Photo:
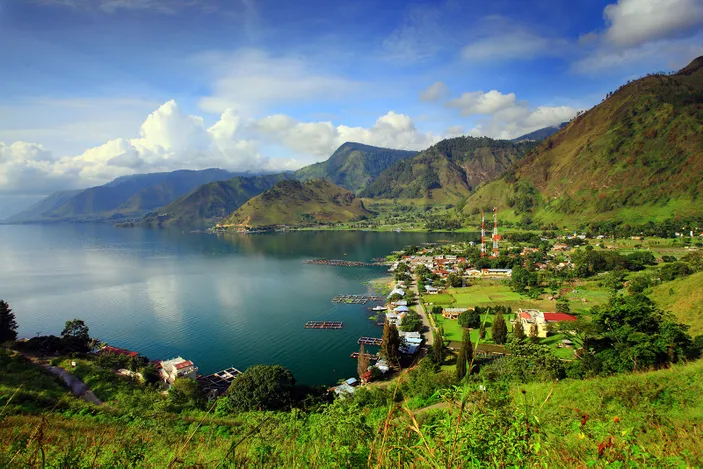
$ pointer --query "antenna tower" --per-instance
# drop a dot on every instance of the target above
(483, 234)
(495, 236)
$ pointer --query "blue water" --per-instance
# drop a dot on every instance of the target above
(221, 301)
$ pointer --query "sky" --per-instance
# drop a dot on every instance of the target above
(91, 90)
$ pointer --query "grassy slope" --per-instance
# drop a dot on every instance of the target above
(636, 156)
(683, 297)
(292, 203)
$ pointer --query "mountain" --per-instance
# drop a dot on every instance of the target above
(208, 203)
(127, 196)
(37, 211)
(447, 171)
(295, 203)
(354, 165)
(540, 134)
(636, 156)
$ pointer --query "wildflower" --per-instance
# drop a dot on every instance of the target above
(616, 419)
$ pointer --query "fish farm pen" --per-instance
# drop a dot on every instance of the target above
(368, 355)
(323, 325)
(369, 341)
(355, 299)
(341, 263)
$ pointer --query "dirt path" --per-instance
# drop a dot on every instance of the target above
(78, 387)
(426, 326)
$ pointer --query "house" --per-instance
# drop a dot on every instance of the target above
(530, 317)
(431, 290)
(395, 318)
(401, 309)
(397, 291)
(411, 342)
(452, 313)
(177, 368)
(347, 388)
(560, 247)
(497, 272)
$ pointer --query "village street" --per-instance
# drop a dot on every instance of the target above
(427, 327)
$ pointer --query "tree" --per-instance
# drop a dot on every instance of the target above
(454, 280)
(563, 305)
(436, 310)
(75, 335)
(518, 330)
(466, 353)
(390, 343)
(185, 393)
(362, 364)
(499, 331)
(482, 331)
(470, 319)
(411, 322)
(438, 347)
(260, 387)
(8, 325)
(534, 333)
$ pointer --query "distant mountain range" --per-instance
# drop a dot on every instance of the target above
(540, 134)
(637, 156)
(294, 203)
(127, 196)
(447, 171)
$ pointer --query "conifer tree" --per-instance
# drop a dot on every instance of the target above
(390, 343)
(438, 347)
(499, 331)
(465, 355)
(362, 364)
(518, 330)
(8, 325)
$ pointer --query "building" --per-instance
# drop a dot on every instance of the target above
(397, 291)
(452, 313)
(411, 342)
(118, 351)
(431, 290)
(530, 317)
(177, 368)
(497, 272)
(560, 247)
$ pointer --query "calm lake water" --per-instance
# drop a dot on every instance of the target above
(221, 301)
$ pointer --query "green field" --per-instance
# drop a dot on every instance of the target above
(587, 295)
(486, 293)
(684, 298)
(453, 331)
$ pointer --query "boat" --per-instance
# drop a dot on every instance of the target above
(378, 308)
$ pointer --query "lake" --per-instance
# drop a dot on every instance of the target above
(219, 300)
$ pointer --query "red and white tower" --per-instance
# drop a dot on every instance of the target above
(496, 237)
(483, 234)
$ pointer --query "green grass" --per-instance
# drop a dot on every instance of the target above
(454, 332)
(684, 298)
(491, 293)
(590, 291)
(440, 299)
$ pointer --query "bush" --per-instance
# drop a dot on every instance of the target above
(263, 387)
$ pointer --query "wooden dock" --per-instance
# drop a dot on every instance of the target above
(356, 299)
(341, 263)
(369, 341)
(219, 381)
(368, 355)
(323, 325)
(381, 324)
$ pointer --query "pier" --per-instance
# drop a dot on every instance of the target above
(341, 263)
(368, 355)
(323, 325)
(369, 341)
(355, 299)
(219, 381)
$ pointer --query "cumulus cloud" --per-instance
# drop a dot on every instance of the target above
(391, 130)
(503, 116)
(170, 139)
(635, 22)
(434, 92)
(250, 79)
(478, 102)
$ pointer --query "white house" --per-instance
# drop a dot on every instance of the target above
(177, 368)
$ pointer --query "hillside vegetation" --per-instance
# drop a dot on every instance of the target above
(683, 297)
(448, 170)
(297, 203)
(641, 147)
(353, 165)
(211, 202)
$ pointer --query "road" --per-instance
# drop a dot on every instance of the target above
(427, 327)
(78, 387)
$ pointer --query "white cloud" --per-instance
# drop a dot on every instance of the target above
(503, 116)
(250, 79)
(111, 6)
(434, 92)
(419, 37)
(513, 44)
(320, 139)
(635, 22)
(478, 102)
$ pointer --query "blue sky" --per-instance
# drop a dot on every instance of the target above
(95, 89)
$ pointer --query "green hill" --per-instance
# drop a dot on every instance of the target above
(636, 156)
(448, 170)
(296, 203)
(354, 165)
(37, 211)
(684, 297)
(210, 202)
